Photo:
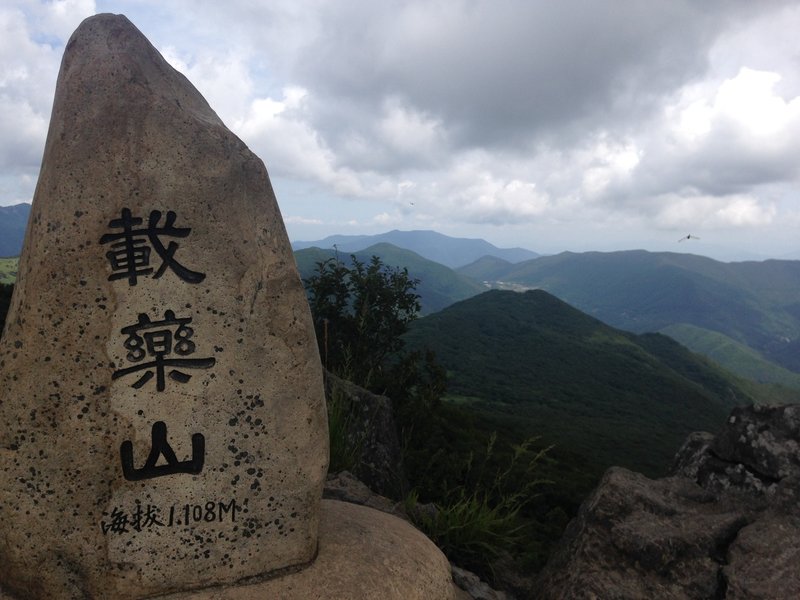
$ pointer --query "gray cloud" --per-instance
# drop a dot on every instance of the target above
(498, 73)
(525, 115)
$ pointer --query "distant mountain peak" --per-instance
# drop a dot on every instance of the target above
(450, 251)
(13, 221)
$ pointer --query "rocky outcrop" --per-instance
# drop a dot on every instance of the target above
(344, 486)
(473, 587)
(372, 431)
(724, 524)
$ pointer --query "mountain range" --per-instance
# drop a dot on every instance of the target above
(576, 354)
(449, 251)
(13, 220)
(756, 304)
(744, 315)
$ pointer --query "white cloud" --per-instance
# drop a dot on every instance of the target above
(738, 137)
(62, 17)
(410, 133)
(295, 220)
(745, 108)
(30, 35)
(224, 80)
(695, 211)
(746, 212)
(384, 219)
(606, 162)
(475, 191)
(278, 132)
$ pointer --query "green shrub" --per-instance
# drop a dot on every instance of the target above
(360, 313)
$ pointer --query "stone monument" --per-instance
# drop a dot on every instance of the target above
(162, 417)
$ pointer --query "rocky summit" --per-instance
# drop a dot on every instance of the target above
(724, 524)
(162, 418)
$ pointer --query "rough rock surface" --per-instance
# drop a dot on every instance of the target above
(474, 588)
(364, 554)
(346, 487)
(373, 431)
(162, 417)
(725, 524)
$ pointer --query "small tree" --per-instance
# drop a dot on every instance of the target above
(360, 313)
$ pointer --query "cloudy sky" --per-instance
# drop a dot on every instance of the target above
(552, 125)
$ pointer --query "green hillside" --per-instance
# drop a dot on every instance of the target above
(487, 268)
(732, 355)
(8, 269)
(753, 303)
(439, 286)
(308, 258)
(613, 397)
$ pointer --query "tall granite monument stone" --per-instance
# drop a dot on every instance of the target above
(162, 418)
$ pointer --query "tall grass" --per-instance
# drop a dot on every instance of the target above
(345, 445)
(480, 521)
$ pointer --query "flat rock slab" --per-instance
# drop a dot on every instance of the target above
(162, 415)
(364, 554)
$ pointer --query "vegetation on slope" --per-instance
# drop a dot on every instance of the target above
(609, 396)
(482, 473)
(734, 356)
(755, 303)
(538, 392)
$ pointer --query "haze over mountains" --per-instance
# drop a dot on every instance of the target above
(449, 251)
(752, 303)
(744, 315)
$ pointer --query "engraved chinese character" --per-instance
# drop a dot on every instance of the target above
(130, 253)
(159, 447)
(118, 524)
(143, 518)
(158, 340)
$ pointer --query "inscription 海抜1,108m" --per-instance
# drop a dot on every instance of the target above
(145, 516)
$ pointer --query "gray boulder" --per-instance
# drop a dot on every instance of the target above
(371, 430)
(724, 524)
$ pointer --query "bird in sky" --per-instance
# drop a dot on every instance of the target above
(689, 237)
